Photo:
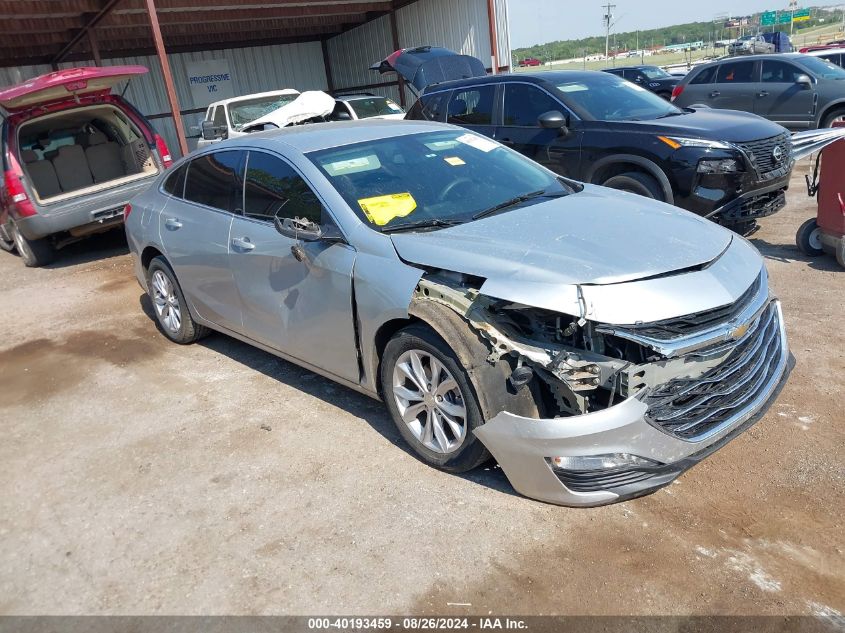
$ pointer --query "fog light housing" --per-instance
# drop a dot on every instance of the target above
(720, 166)
(599, 462)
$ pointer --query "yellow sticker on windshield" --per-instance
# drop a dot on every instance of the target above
(382, 209)
(454, 160)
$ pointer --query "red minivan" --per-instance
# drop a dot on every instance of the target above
(73, 155)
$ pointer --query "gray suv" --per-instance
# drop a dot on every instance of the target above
(797, 91)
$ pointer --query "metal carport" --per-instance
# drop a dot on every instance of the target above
(303, 44)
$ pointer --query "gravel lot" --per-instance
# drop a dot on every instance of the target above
(141, 477)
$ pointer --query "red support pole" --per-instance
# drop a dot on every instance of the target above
(494, 38)
(168, 78)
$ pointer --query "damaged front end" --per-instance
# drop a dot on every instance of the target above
(624, 408)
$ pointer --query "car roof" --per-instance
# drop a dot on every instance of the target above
(318, 136)
(361, 96)
(825, 51)
(538, 77)
(637, 67)
(751, 58)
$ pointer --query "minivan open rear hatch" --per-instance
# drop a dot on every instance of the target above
(65, 84)
(427, 65)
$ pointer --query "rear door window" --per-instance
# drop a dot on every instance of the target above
(525, 103)
(215, 180)
(274, 188)
(706, 76)
(775, 71)
(741, 72)
(472, 106)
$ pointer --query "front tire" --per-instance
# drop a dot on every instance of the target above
(832, 117)
(636, 182)
(429, 396)
(34, 253)
(808, 238)
(171, 309)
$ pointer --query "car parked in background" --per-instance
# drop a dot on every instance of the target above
(73, 154)
(832, 55)
(598, 128)
(797, 91)
(365, 106)
(822, 47)
(530, 61)
(651, 78)
(750, 45)
(227, 118)
(493, 306)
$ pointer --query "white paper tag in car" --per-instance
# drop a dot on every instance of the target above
(479, 143)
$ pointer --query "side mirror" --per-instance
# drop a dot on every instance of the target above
(343, 116)
(805, 81)
(209, 130)
(553, 120)
(298, 229)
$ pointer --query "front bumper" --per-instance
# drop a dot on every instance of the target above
(523, 446)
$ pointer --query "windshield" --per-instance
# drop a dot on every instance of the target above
(822, 69)
(653, 72)
(248, 110)
(373, 106)
(434, 177)
(608, 98)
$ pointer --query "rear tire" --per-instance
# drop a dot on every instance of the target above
(34, 253)
(7, 242)
(636, 182)
(840, 252)
(171, 310)
(808, 238)
(418, 368)
(836, 115)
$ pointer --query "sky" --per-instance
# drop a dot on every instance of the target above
(540, 21)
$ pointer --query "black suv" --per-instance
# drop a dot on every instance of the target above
(651, 78)
(594, 127)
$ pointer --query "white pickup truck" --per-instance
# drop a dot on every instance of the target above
(227, 118)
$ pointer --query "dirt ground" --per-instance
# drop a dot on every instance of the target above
(141, 477)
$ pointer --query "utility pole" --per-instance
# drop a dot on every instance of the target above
(608, 20)
(793, 4)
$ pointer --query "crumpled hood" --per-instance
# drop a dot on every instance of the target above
(310, 104)
(592, 237)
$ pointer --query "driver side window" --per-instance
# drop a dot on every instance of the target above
(524, 104)
(273, 188)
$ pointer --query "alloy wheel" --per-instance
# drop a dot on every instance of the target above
(165, 301)
(430, 401)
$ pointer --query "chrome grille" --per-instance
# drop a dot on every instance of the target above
(678, 327)
(692, 408)
(761, 155)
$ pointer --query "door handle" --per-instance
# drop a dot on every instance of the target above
(715, 93)
(242, 244)
(173, 224)
(763, 93)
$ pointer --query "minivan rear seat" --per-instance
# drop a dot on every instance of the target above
(72, 168)
(41, 173)
(104, 159)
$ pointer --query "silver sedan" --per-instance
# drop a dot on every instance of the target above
(595, 343)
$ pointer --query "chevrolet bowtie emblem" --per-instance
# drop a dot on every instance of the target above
(740, 331)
